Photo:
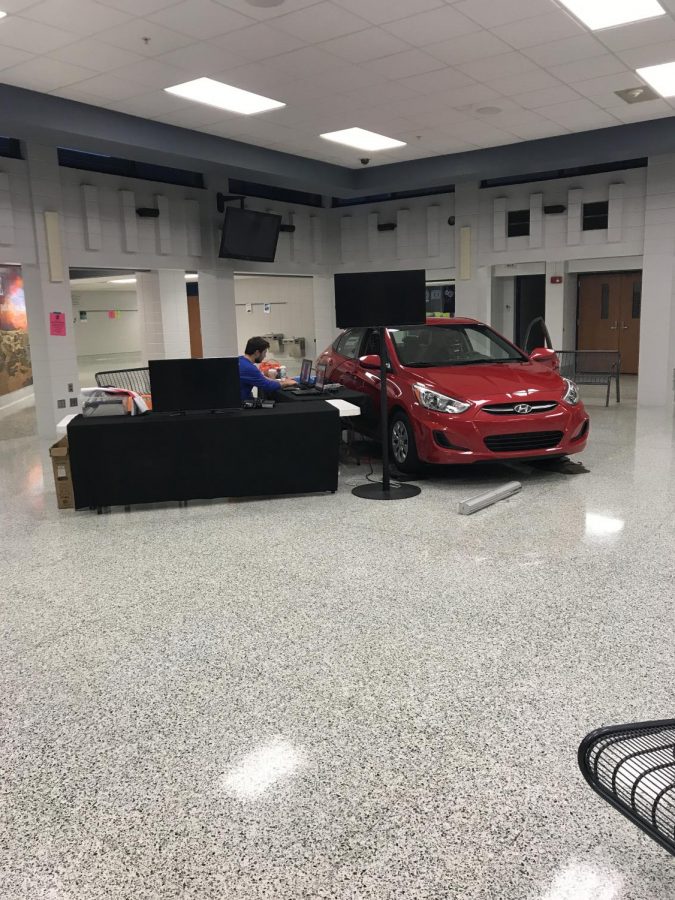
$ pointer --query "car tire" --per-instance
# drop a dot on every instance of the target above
(402, 445)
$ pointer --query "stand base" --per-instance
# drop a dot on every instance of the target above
(375, 491)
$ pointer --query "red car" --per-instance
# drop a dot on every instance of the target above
(458, 392)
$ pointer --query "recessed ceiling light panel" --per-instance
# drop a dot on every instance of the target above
(597, 14)
(661, 78)
(2, 14)
(362, 139)
(122, 281)
(223, 96)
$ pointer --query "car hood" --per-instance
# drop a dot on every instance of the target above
(524, 381)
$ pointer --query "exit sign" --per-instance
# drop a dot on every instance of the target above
(556, 279)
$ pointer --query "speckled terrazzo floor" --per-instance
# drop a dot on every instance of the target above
(322, 697)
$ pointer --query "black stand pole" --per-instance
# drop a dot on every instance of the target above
(384, 491)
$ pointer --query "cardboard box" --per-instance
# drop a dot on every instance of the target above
(63, 479)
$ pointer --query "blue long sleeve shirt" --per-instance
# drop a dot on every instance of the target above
(250, 376)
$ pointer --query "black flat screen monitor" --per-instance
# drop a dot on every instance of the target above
(364, 299)
(179, 385)
(248, 234)
(306, 371)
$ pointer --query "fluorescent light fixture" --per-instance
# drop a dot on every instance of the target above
(362, 139)
(261, 768)
(191, 276)
(2, 14)
(223, 96)
(122, 281)
(661, 78)
(597, 14)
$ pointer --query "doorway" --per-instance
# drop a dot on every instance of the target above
(530, 302)
(608, 317)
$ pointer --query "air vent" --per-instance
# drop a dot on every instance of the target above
(637, 94)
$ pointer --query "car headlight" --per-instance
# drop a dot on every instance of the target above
(438, 402)
(571, 395)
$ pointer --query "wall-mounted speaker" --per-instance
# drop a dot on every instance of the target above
(451, 221)
(147, 212)
(387, 226)
(555, 210)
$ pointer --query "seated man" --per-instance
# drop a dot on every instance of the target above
(250, 375)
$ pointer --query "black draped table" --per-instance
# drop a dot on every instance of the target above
(121, 460)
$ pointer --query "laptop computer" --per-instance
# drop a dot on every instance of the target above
(305, 375)
(317, 387)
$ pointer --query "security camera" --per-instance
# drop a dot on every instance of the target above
(364, 160)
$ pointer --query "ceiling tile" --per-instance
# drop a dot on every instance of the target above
(478, 45)
(652, 31)
(602, 90)
(429, 27)
(524, 81)
(641, 112)
(650, 55)
(44, 74)
(92, 54)
(465, 98)
(552, 26)
(10, 56)
(16, 6)
(498, 66)
(565, 51)
(202, 58)
(133, 35)
(306, 61)
(362, 46)
(546, 97)
(111, 87)
(320, 22)
(258, 77)
(266, 12)
(578, 115)
(491, 14)
(138, 7)
(200, 18)
(153, 105)
(402, 65)
(34, 37)
(593, 67)
(380, 11)
(81, 16)
(152, 73)
(439, 80)
(485, 135)
(258, 41)
(74, 92)
(194, 116)
(380, 94)
(537, 131)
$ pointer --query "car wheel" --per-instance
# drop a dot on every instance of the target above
(402, 443)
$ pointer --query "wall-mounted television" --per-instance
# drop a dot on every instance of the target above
(249, 235)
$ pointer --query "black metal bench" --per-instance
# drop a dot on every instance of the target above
(592, 367)
(129, 379)
(633, 768)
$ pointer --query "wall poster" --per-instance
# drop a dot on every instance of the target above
(15, 365)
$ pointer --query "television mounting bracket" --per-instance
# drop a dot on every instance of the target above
(222, 199)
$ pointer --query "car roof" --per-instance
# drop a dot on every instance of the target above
(445, 320)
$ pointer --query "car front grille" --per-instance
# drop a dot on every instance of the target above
(531, 440)
(508, 409)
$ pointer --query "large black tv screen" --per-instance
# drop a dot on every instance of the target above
(177, 385)
(365, 299)
(250, 235)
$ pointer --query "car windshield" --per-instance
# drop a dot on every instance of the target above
(451, 345)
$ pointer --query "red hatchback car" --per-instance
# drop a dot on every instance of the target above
(458, 392)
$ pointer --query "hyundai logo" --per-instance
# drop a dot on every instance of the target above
(523, 408)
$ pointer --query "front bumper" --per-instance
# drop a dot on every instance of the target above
(468, 438)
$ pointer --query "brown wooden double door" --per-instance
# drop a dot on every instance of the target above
(608, 316)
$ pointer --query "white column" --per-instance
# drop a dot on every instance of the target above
(217, 312)
(555, 303)
(324, 311)
(657, 326)
(162, 303)
(47, 289)
(473, 286)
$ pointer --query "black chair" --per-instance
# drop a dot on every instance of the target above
(592, 367)
(633, 768)
(128, 379)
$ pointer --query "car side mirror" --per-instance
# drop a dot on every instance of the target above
(546, 357)
(372, 361)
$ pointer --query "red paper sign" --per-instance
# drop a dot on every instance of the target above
(57, 324)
